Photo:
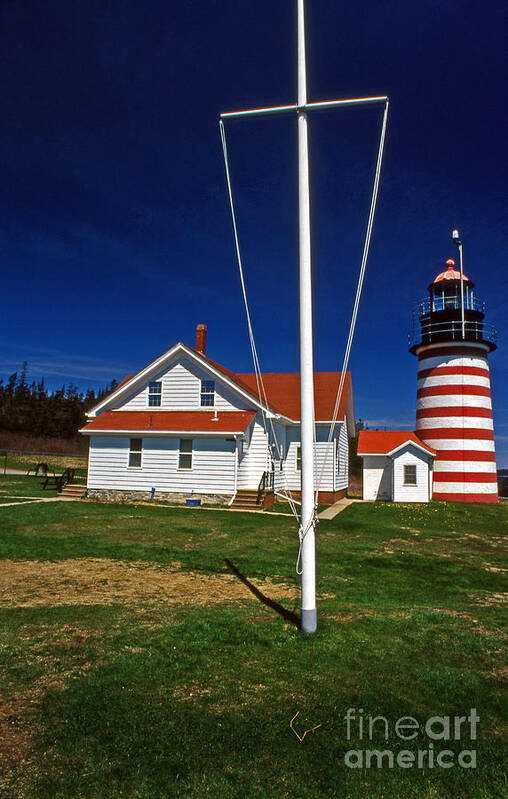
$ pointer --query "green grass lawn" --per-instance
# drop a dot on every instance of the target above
(13, 486)
(121, 691)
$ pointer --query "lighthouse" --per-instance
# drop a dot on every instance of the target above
(454, 407)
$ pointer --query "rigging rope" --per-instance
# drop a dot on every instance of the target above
(257, 369)
(359, 288)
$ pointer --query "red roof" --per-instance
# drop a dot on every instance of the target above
(283, 390)
(450, 274)
(283, 393)
(170, 422)
(383, 442)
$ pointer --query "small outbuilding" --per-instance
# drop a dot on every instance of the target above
(397, 466)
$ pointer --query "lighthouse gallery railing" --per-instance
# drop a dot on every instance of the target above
(428, 331)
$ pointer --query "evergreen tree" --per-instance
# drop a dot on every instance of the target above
(31, 409)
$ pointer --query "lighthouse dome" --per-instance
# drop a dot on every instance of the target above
(450, 273)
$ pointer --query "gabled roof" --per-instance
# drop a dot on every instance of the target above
(387, 442)
(282, 389)
(156, 366)
(170, 422)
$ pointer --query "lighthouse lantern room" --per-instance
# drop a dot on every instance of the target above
(454, 407)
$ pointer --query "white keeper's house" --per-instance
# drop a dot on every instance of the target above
(187, 429)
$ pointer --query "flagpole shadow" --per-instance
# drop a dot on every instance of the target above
(271, 603)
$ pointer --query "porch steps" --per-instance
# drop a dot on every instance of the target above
(73, 491)
(246, 500)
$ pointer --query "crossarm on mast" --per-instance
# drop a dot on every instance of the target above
(321, 105)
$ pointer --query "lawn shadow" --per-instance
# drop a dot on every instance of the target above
(271, 603)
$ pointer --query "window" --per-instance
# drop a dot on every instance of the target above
(207, 392)
(410, 474)
(281, 457)
(185, 456)
(298, 459)
(154, 393)
(135, 450)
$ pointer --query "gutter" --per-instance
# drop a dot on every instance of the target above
(149, 432)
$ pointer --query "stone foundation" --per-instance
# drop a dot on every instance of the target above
(175, 498)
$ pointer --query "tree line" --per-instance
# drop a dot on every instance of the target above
(30, 408)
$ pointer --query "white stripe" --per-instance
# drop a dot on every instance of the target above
(453, 380)
(479, 423)
(451, 400)
(457, 444)
(452, 360)
(464, 488)
(465, 466)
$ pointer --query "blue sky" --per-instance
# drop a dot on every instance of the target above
(115, 238)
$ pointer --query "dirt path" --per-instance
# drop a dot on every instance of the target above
(32, 501)
(91, 581)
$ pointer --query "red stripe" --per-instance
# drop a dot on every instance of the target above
(465, 497)
(454, 370)
(457, 351)
(465, 455)
(455, 432)
(435, 391)
(465, 477)
(459, 410)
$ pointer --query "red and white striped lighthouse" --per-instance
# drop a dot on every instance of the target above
(454, 406)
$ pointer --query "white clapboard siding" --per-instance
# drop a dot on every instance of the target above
(279, 449)
(342, 467)
(292, 475)
(411, 493)
(377, 477)
(213, 465)
(332, 479)
(325, 459)
(254, 459)
(181, 389)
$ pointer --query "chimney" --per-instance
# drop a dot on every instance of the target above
(201, 339)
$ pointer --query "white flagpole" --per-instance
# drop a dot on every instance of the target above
(308, 603)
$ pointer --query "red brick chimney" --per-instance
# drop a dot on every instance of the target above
(201, 339)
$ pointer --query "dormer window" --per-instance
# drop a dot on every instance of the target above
(154, 393)
(207, 393)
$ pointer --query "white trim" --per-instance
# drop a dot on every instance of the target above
(180, 347)
(158, 364)
(393, 451)
(163, 432)
(236, 457)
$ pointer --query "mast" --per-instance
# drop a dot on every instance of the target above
(308, 601)
(307, 522)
